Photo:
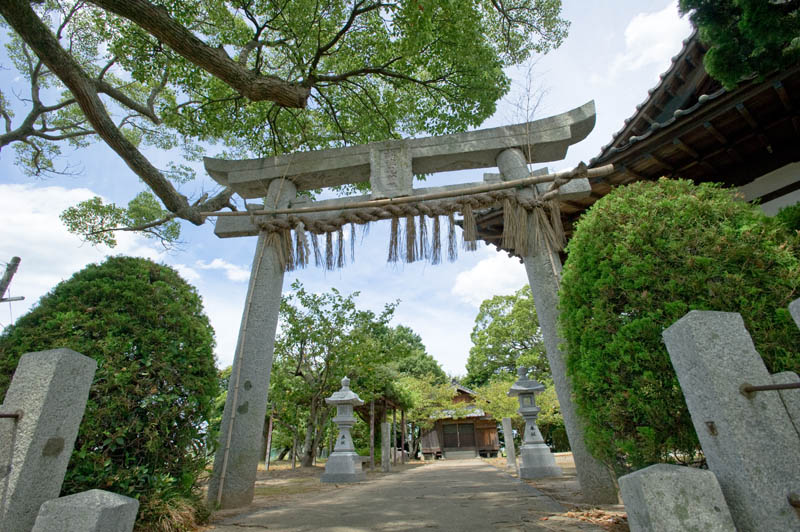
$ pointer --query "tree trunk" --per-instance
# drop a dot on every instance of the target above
(372, 435)
(294, 451)
(269, 444)
(307, 459)
(394, 436)
(283, 453)
(403, 434)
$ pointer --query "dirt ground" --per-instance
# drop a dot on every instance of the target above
(567, 491)
(282, 487)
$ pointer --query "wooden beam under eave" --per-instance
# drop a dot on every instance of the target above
(661, 162)
(748, 117)
(685, 148)
(632, 176)
(715, 132)
(783, 96)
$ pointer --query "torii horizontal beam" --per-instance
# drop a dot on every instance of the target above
(390, 165)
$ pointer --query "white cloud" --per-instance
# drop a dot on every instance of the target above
(187, 272)
(232, 271)
(650, 41)
(498, 274)
(31, 230)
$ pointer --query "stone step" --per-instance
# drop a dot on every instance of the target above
(459, 454)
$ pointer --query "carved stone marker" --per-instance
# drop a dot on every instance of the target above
(748, 440)
(508, 436)
(344, 464)
(50, 388)
(669, 498)
(536, 460)
(88, 511)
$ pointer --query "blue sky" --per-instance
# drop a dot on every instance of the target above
(613, 55)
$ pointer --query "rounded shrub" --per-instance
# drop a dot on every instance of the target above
(640, 259)
(142, 434)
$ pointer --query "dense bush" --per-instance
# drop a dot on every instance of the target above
(142, 434)
(640, 259)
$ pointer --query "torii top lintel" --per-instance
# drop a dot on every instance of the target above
(390, 165)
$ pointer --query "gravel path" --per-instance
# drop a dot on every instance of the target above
(456, 495)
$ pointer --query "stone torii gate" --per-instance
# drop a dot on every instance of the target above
(390, 166)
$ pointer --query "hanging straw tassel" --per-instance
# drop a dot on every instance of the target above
(436, 243)
(340, 248)
(559, 239)
(452, 250)
(329, 251)
(470, 228)
(510, 228)
(424, 248)
(540, 227)
(411, 239)
(301, 245)
(521, 237)
(286, 241)
(352, 242)
(317, 253)
(394, 241)
(274, 241)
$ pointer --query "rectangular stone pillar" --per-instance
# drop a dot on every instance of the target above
(748, 440)
(669, 498)
(88, 511)
(386, 446)
(233, 479)
(50, 389)
(508, 436)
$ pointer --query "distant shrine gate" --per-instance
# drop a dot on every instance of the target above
(293, 231)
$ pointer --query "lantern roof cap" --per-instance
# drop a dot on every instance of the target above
(524, 385)
(345, 396)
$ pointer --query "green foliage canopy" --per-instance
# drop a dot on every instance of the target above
(640, 259)
(143, 431)
(746, 37)
(506, 335)
(260, 77)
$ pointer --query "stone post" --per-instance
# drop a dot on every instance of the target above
(544, 275)
(508, 436)
(669, 498)
(536, 460)
(386, 445)
(88, 511)
(344, 464)
(748, 440)
(49, 390)
(239, 451)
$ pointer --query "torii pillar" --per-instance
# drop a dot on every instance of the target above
(544, 276)
(233, 479)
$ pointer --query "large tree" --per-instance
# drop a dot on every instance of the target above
(145, 426)
(746, 37)
(506, 335)
(261, 77)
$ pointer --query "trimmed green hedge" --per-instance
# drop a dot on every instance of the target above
(639, 260)
(142, 433)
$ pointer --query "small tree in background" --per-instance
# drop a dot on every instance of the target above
(640, 259)
(143, 431)
(506, 335)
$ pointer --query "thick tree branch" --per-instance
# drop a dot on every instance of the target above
(156, 21)
(21, 17)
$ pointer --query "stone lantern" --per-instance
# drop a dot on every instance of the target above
(536, 460)
(344, 465)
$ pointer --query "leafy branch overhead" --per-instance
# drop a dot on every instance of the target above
(260, 77)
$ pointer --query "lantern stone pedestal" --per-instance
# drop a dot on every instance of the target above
(536, 460)
(344, 464)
